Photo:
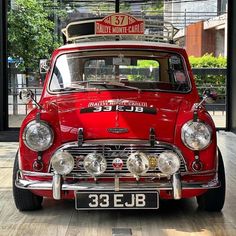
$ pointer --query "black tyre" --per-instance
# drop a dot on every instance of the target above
(213, 199)
(24, 199)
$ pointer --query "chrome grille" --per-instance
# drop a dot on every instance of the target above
(110, 152)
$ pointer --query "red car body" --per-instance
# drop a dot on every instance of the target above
(62, 112)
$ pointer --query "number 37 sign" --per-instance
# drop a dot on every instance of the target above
(118, 24)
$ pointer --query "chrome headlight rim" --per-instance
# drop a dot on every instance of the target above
(187, 125)
(45, 124)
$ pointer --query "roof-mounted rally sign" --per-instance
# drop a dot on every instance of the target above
(119, 24)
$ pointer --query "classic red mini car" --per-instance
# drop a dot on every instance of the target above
(119, 125)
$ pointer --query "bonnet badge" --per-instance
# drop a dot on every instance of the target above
(118, 130)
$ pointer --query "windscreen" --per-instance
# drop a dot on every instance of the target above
(119, 70)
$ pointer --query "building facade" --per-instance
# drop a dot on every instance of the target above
(183, 13)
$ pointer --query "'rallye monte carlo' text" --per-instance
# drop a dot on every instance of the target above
(119, 125)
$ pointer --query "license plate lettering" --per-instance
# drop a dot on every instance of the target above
(101, 200)
(140, 200)
(131, 203)
(93, 200)
(121, 200)
(118, 200)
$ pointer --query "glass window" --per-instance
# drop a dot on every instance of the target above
(119, 70)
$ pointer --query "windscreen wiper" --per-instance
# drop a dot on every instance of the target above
(117, 84)
(85, 85)
(68, 89)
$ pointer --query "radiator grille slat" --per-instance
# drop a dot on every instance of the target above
(111, 152)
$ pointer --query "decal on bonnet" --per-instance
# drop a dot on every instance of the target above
(112, 102)
(120, 108)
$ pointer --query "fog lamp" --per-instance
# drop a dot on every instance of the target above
(62, 162)
(95, 164)
(168, 163)
(138, 163)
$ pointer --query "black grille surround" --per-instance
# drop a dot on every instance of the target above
(111, 151)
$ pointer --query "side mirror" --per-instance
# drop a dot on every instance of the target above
(26, 95)
(209, 96)
(44, 66)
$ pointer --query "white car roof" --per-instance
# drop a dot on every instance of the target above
(120, 43)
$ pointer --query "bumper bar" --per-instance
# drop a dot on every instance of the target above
(56, 185)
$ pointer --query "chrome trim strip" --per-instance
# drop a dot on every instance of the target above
(35, 174)
(124, 175)
(117, 141)
(46, 185)
(139, 186)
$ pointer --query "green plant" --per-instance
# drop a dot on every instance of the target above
(216, 81)
(153, 7)
(208, 61)
(31, 33)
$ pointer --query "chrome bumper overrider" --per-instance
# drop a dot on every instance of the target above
(57, 185)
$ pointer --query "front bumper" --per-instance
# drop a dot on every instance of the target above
(175, 185)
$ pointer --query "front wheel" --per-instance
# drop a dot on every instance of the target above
(24, 199)
(213, 199)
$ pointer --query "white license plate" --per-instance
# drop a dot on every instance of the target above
(116, 200)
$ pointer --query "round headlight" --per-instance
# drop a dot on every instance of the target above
(196, 135)
(138, 163)
(95, 164)
(38, 136)
(168, 162)
(62, 162)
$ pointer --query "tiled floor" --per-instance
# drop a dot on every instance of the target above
(173, 218)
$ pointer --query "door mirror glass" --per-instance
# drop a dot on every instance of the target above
(44, 66)
(26, 95)
(210, 96)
